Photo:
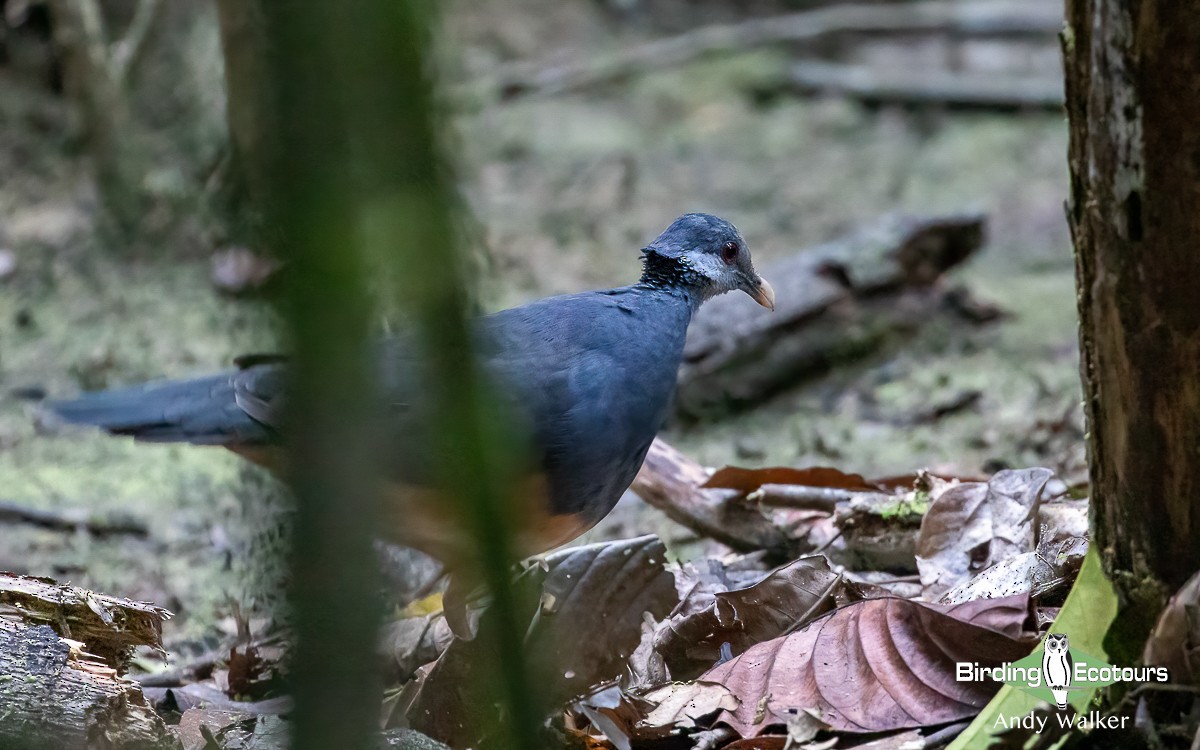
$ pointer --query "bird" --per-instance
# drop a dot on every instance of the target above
(1057, 667)
(588, 377)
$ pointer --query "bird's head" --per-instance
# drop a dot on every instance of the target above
(707, 255)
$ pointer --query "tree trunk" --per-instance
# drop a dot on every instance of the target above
(1133, 99)
(253, 131)
(93, 83)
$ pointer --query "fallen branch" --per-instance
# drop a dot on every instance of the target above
(928, 87)
(867, 528)
(932, 16)
(824, 499)
(11, 512)
(835, 301)
(874, 531)
(671, 482)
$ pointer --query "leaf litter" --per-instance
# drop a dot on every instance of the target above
(633, 652)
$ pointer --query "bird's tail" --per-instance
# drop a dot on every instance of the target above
(1060, 698)
(203, 411)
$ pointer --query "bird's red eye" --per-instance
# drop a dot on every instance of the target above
(729, 253)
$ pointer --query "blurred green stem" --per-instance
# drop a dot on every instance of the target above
(334, 573)
(359, 185)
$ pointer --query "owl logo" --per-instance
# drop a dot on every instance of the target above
(1057, 667)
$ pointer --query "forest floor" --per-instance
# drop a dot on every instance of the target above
(565, 190)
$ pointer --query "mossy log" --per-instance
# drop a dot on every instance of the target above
(834, 302)
(63, 650)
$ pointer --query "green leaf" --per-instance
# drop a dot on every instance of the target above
(1086, 615)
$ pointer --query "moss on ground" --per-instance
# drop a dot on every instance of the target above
(567, 189)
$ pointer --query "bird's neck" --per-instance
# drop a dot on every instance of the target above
(674, 276)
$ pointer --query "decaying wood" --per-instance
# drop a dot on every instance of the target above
(832, 302)
(62, 652)
(54, 694)
(109, 627)
(931, 16)
(926, 87)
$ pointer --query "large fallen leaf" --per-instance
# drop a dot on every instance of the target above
(875, 665)
(974, 525)
(1052, 567)
(585, 624)
(699, 581)
(784, 599)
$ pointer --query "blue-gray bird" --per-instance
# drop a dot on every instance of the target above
(587, 377)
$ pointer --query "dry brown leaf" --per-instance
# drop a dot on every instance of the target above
(806, 588)
(586, 621)
(875, 665)
(1175, 641)
(699, 581)
(683, 705)
(1052, 567)
(411, 642)
(247, 672)
(749, 480)
(194, 722)
(974, 525)
(613, 712)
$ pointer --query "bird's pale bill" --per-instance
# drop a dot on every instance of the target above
(764, 294)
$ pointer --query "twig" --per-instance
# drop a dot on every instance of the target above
(11, 512)
(931, 16)
(672, 483)
(125, 52)
(963, 90)
(816, 605)
(181, 674)
(802, 497)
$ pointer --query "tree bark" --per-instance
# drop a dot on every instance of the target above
(53, 695)
(1133, 100)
